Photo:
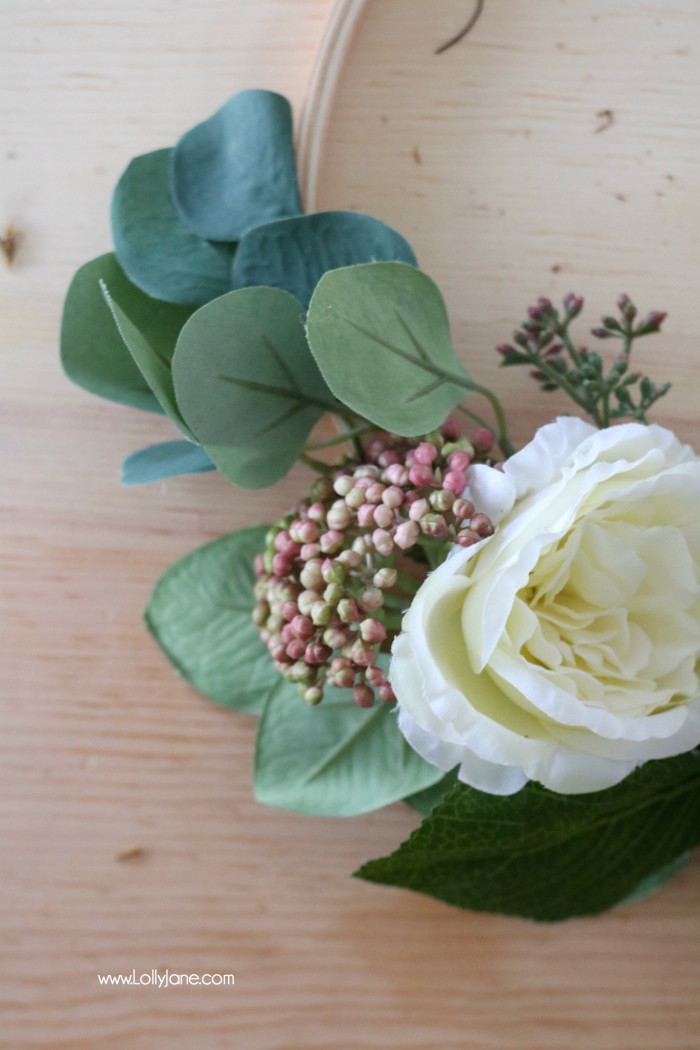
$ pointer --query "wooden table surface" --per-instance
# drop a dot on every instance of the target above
(488, 160)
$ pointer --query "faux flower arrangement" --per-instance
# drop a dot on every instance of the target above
(508, 640)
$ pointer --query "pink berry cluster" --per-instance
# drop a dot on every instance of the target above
(325, 571)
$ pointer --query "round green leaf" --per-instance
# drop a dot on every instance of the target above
(334, 760)
(200, 615)
(244, 375)
(381, 337)
(236, 170)
(250, 468)
(154, 246)
(170, 459)
(93, 352)
(294, 254)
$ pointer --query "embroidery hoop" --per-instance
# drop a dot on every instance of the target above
(335, 45)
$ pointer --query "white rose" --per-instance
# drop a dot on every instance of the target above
(564, 648)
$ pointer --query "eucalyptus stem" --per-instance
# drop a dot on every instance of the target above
(478, 419)
(318, 465)
(504, 442)
(339, 439)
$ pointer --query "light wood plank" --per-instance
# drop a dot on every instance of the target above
(103, 748)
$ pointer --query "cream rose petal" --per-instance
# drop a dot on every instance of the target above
(564, 648)
(491, 491)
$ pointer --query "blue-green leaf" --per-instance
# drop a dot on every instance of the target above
(154, 246)
(294, 254)
(380, 334)
(424, 802)
(244, 375)
(334, 760)
(658, 879)
(155, 367)
(252, 468)
(236, 170)
(167, 460)
(94, 354)
(200, 615)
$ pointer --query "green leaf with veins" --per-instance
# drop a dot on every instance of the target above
(250, 468)
(200, 613)
(546, 856)
(93, 352)
(334, 760)
(244, 375)
(381, 336)
(153, 363)
(294, 254)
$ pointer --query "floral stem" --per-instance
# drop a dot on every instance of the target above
(478, 419)
(563, 334)
(561, 381)
(318, 465)
(339, 439)
(502, 438)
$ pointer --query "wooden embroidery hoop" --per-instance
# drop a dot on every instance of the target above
(613, 215)
(335, 45)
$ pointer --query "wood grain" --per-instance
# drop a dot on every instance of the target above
(487, 159)
(104, 750)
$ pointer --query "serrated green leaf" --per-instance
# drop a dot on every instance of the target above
(545, 856)
(154, 246)
(170, 459)
(236, 170)
(334, 760)
(294, 254)
(381, 337)
(200, 615)
(93, 353)
(245, 378)
(155, 367)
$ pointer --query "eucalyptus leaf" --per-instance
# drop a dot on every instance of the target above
(380, 334)
(236, 170)
(154, 246)
(167, 460)
(250, 468)
(658, 880)
(334, 760)
(200, 615)
(155, 367)
(94, 354)
(546, 856)
(294, 254)
(244, 375)
(424, 802)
